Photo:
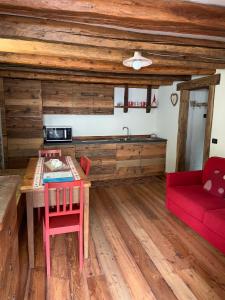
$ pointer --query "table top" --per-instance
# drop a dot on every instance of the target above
(8, 186)
(27, 183)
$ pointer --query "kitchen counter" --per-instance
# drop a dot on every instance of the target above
(118, 157)
(108, 140)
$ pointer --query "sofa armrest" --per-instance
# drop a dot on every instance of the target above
(184, 178)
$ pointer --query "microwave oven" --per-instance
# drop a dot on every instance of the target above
(57, 134)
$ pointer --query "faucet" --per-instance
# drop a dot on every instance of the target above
(128, 132)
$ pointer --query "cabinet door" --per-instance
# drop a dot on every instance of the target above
(128, 160)
(152, 159)
(77, 98)
(103, 159)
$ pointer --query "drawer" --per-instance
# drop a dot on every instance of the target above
(6, 235)
(10, 275)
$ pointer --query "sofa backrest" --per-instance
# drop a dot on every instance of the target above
(212, 164)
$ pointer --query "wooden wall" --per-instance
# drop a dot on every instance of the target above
(24, 101)
(23, 107)
(74, 98)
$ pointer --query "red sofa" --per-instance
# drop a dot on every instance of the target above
(197, 207)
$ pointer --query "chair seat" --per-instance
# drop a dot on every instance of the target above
(63, 221)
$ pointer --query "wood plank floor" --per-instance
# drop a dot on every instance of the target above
(138, 250)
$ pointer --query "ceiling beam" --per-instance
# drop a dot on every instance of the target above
(94, 66)
(199, 83)
(96, 74)
(103, 54)
(76, 33)
(89, 79)
(169, 16)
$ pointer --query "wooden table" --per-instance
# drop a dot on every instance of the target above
(35, 198)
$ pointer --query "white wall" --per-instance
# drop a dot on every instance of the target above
(167, 123)
(218, 126)
(138, 121)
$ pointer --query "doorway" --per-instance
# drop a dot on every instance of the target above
(197, 113)
(195, 122)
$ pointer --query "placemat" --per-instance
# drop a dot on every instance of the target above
(38, 176)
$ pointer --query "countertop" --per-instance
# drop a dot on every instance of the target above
(108, 140)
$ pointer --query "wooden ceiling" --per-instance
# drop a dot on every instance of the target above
(88, 40)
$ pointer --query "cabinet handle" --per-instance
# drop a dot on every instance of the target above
(10, 232)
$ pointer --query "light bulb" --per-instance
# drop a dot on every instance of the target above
(137, 65)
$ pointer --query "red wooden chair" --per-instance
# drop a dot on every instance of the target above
(85, 164)
(50, 153)
(65, 217)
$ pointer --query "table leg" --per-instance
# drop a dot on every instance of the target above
(30, 227)
(86, 221)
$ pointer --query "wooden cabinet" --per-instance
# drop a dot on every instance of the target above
(140, 159)
(74, 98)
(9, 256)
(103, 159)
(119, 160)
(23, 111)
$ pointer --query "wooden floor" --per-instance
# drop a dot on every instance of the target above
(137, 251)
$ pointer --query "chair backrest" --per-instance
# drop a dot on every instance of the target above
(212, 164)
(85, 164)
(61, 194)
(50, 153)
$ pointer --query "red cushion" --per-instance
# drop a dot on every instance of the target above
(215, 184)
(194, 200)
(212, 164)
(215, 220)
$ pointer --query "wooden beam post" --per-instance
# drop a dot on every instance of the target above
(126, 95)
(149, 97)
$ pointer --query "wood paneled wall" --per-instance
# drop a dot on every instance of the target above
(23, 107)
(24, 101)
(74, 98)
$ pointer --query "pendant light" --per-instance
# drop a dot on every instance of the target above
(137, 61)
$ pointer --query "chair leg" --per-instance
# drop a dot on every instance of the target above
(47, 251)
(81, 249)
(39, 214)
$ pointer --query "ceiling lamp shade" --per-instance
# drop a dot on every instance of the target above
(137, 61)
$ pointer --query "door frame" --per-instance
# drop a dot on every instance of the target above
(185, 87)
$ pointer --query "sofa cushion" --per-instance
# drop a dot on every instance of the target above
(212, 164)
(215, 220)
(215, 185)
(194, 200)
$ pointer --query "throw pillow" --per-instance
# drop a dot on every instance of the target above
(215, 185)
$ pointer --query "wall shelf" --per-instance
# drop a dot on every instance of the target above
(122, 106)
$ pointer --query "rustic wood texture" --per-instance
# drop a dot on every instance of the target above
(182, 130)
(57, 35)
(209, 120)
(76, 33)
(67, 63)
(86, 35)
(9, 72)
(74, 98)
(199, 83)
(173, 16)
(9, 262)
(23, 106)
(123, 160)
(138, 250)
